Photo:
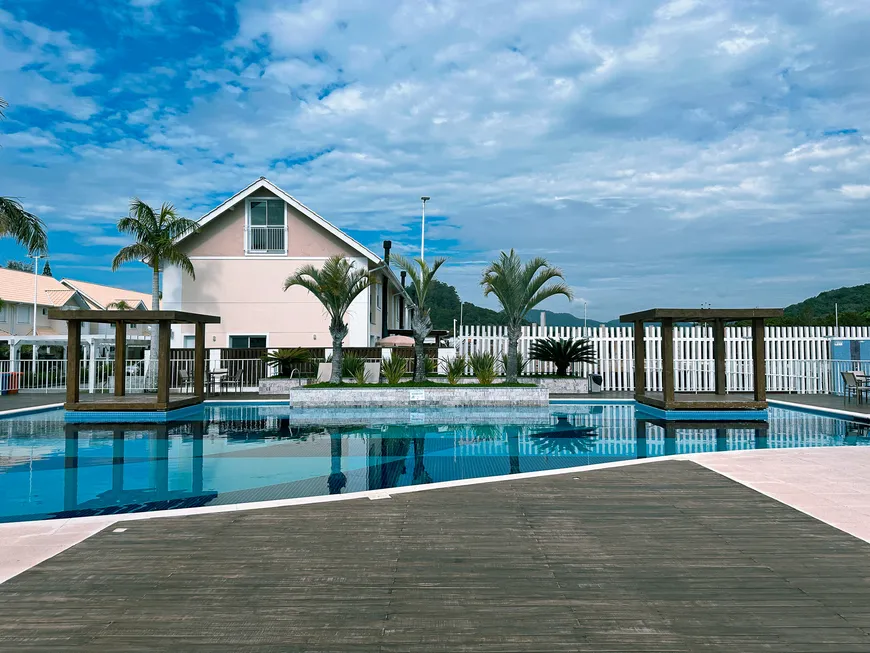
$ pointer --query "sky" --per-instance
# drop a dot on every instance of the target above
(661, 153)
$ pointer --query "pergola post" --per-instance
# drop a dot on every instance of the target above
(199, 361)
(668, 362)
(639, 360)
(719, 356)
(120, 359)
(759, 364)
(74, 346)
(163, 365)
(117, 460)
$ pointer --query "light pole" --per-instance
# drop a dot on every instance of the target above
(425, 199)
(584, 315)
(35, 258)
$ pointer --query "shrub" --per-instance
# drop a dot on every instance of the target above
(359, 375)
(284, 361)
(455, 369)
(483, 367)
(393, 369)
(563, 353)
(521, 363)
(350, 364)
(431, 366)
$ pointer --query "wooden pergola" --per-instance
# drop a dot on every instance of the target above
(720, 400)
(161, 401)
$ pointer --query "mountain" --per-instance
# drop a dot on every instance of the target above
(560, 319)
(852, 303)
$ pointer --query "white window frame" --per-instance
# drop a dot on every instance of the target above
(248, 200)
(28, 312)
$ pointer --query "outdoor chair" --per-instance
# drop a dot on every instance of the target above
(233, 381)
(184, 380)
(324, 371)
(372, 372)
(853, 386)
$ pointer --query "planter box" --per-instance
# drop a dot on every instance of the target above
(563, 386)
(387, 397)
(280, 386)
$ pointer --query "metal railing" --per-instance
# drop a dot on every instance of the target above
(266, 239)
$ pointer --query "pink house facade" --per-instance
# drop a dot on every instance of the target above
(245, 250)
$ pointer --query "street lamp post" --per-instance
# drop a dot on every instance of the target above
(425, 199)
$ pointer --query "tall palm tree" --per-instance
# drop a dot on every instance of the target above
(519, 288)
(156, 233)
(16, 223)
(421, 276)
(335, 285)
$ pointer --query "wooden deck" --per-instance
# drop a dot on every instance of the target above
(658, 557)
(132, 402)
(704, 401)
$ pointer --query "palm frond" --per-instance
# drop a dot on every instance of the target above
(24, 227)
(335, 285)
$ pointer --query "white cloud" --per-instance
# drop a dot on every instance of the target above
(856, 191)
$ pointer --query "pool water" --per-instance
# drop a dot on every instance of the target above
(249, 453)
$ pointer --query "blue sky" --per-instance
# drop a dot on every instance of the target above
(661, 153)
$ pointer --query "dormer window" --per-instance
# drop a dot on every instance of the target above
(266, 231)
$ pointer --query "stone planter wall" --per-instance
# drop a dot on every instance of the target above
(387, 397)
(281, 386)
(563, 386)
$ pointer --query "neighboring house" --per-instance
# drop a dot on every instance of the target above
(17, 295)
(245, 250)
(102, 298)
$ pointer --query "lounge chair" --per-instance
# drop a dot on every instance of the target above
(184, 380)
(372, 372)
(324, 372)
(233, 381)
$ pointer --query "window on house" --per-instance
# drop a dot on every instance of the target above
(23, 314)
(247, 342)
(3, 317)
(266, 226)
(189, 342)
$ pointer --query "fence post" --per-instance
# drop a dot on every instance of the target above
(92, 367)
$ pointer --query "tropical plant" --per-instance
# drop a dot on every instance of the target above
(351, 365)
(455, 368)
(359, 375)
(431, 366)
(120, 305)
(483, 366)
(335, 285)
(521, 363)
(519, 288)
(18, 224)
(563, 353)
(393, 368)
(156, 234)
(284, 361)
(422, 277)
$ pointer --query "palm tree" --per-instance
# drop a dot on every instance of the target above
(335, 285)
(422, 277)
(156, 234)
(15, 222)
(519, 288)
(120, 305)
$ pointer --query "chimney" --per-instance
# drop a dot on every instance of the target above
(388, 245)
(403, 275)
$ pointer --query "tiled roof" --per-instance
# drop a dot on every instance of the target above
(100, 296)
(17, 287)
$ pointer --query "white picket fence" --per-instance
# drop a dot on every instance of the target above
(798, 358)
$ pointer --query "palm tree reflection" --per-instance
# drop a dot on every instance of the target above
(337, 479)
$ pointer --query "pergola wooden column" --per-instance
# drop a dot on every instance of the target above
(667, 399)
(121, 401)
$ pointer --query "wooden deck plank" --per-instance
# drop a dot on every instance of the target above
(660, 557)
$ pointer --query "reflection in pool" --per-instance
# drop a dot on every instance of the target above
(245, 453)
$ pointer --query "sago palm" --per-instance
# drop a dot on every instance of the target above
(519, 288)
(335, 285)
(156, 234)
(421, 276)
(563, 353)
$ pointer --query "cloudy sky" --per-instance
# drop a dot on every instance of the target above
(661, 153)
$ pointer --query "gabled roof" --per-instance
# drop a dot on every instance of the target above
(17, 287)
(100, 297)
(261, 183)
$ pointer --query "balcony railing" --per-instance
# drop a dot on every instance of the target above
(267, 239)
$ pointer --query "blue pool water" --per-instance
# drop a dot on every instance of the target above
(246, 453)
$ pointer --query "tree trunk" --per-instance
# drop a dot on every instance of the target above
(338, 333)
(513, 347)
(155, 305)
(422, 325)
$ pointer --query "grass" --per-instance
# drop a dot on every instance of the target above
(424, 384)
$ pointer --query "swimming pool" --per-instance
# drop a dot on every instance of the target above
(246, 453)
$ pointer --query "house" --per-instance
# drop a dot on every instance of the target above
(103, 298)
(246, 248)
(18, 296)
